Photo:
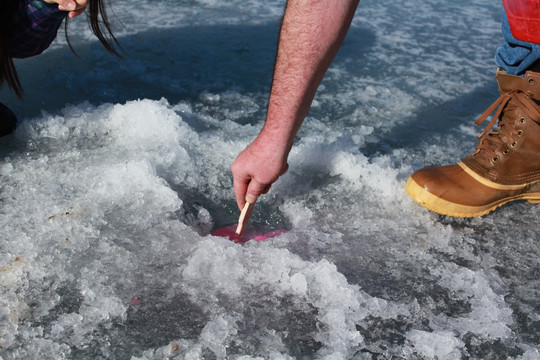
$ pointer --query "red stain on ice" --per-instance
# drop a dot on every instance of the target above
(230, 232)
(135, 301)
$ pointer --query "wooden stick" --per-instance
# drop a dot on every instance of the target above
(244, 217)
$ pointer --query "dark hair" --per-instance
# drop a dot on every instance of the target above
(98, 22)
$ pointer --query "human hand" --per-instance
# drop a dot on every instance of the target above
(75, 7)
(256, 169)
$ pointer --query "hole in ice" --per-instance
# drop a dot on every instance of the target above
(266, 222)
(257, 232)
(219, 217)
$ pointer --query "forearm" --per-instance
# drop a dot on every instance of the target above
(34, 27)
(311, 34)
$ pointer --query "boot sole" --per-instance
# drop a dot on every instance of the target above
(434, 203)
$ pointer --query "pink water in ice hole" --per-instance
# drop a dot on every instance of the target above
(249, 234)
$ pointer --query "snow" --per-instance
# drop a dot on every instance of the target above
(119, 171)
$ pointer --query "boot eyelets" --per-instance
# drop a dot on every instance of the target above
(520, 133)
(531, 81)
(495, 159)
(514, 144)
(506, 151)
(523, 120)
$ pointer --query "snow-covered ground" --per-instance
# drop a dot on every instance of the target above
(119, 170)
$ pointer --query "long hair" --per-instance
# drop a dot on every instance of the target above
(98, 21)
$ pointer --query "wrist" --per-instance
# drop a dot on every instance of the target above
(277, 140)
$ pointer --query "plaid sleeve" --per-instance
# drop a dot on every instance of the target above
(34, 27)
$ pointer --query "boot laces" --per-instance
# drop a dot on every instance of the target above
(507, 133)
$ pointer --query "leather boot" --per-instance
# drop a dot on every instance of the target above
(505, 165)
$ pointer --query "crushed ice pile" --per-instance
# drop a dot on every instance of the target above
(119, 171)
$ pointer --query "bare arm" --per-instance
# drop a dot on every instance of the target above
(311, 34)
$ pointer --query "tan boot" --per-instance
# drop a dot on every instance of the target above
(505, 165)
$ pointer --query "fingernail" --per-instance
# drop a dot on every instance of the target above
(71, 5)
(251, 198)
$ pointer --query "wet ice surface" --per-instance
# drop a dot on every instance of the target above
(119, 170)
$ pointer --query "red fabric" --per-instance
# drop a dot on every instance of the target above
(524, 19)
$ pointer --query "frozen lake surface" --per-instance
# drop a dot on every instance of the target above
(119, 171)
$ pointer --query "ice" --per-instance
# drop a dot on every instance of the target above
(530, 354)
(439, 345)
(120, 170)
(287, 278)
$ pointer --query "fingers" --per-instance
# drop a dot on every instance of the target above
(266, 188)
(240, 185)
(75, 7)
(254, 171)
(285, 169)
(255, 189)
(76, 13)
(66, 5)
(249, 190)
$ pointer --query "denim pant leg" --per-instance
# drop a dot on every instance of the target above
(515, 56)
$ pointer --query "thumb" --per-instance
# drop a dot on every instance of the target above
(255, 189)
(66, 5)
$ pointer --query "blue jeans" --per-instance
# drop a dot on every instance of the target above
(515, 56)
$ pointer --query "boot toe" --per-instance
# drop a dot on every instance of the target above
(449, 190)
